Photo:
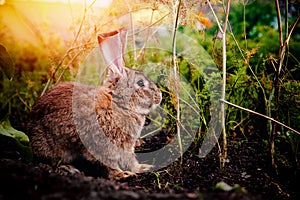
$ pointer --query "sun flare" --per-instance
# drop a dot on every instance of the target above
(100, 3)
(29, 19)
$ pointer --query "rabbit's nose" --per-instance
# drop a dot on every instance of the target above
(157, 97)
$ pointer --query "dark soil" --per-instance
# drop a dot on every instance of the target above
(247, 169)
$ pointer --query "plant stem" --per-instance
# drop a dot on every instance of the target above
(244, 24)
(279, 22)
(224, 156)
(276, 85)
(176, 7)
(223, 97)
(286, 27)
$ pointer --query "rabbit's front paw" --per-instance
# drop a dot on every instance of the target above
(120, 175)
(145, 168)
(67, 170)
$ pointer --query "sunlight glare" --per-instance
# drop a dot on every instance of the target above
(100, 3)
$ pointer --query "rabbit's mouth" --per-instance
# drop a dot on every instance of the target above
(155, 105)
(157, 99)
(144, 108)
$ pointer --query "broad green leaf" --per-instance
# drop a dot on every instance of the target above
(22, 140)
(7, 130)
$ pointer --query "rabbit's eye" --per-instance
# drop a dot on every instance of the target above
(140, 83)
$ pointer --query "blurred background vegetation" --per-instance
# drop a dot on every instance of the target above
(43, 43)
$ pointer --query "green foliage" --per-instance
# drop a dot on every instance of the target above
(7, 130)
(252, 51)
(255, 15)
(21, 80)
(21, 139)
(289, 103)
(290, 111)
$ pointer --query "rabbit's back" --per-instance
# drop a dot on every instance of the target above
(52, 129)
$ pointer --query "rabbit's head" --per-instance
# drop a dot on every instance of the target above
(136, 92)
(131, 89)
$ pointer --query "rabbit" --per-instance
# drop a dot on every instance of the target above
(101, 124)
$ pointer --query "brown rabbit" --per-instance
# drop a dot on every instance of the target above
(100, 124)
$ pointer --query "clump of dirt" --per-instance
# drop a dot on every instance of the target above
(247, 175)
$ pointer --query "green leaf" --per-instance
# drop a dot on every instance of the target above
(7, 130)
(22, 140)
(227, 188)
(223, 186)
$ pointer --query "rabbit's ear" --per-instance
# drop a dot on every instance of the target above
(112, 47)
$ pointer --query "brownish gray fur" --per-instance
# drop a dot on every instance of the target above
(101, 124)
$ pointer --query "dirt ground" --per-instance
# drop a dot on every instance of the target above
(247, 171)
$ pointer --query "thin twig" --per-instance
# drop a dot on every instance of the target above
(153, 24)
(292, 29)
(142, 51)
(259, 114)
(244, 23)
(226, 17)
(69, 63)
(279, 22)
(23, 101)
(132, 27)
(286, 27)
(215, 16)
